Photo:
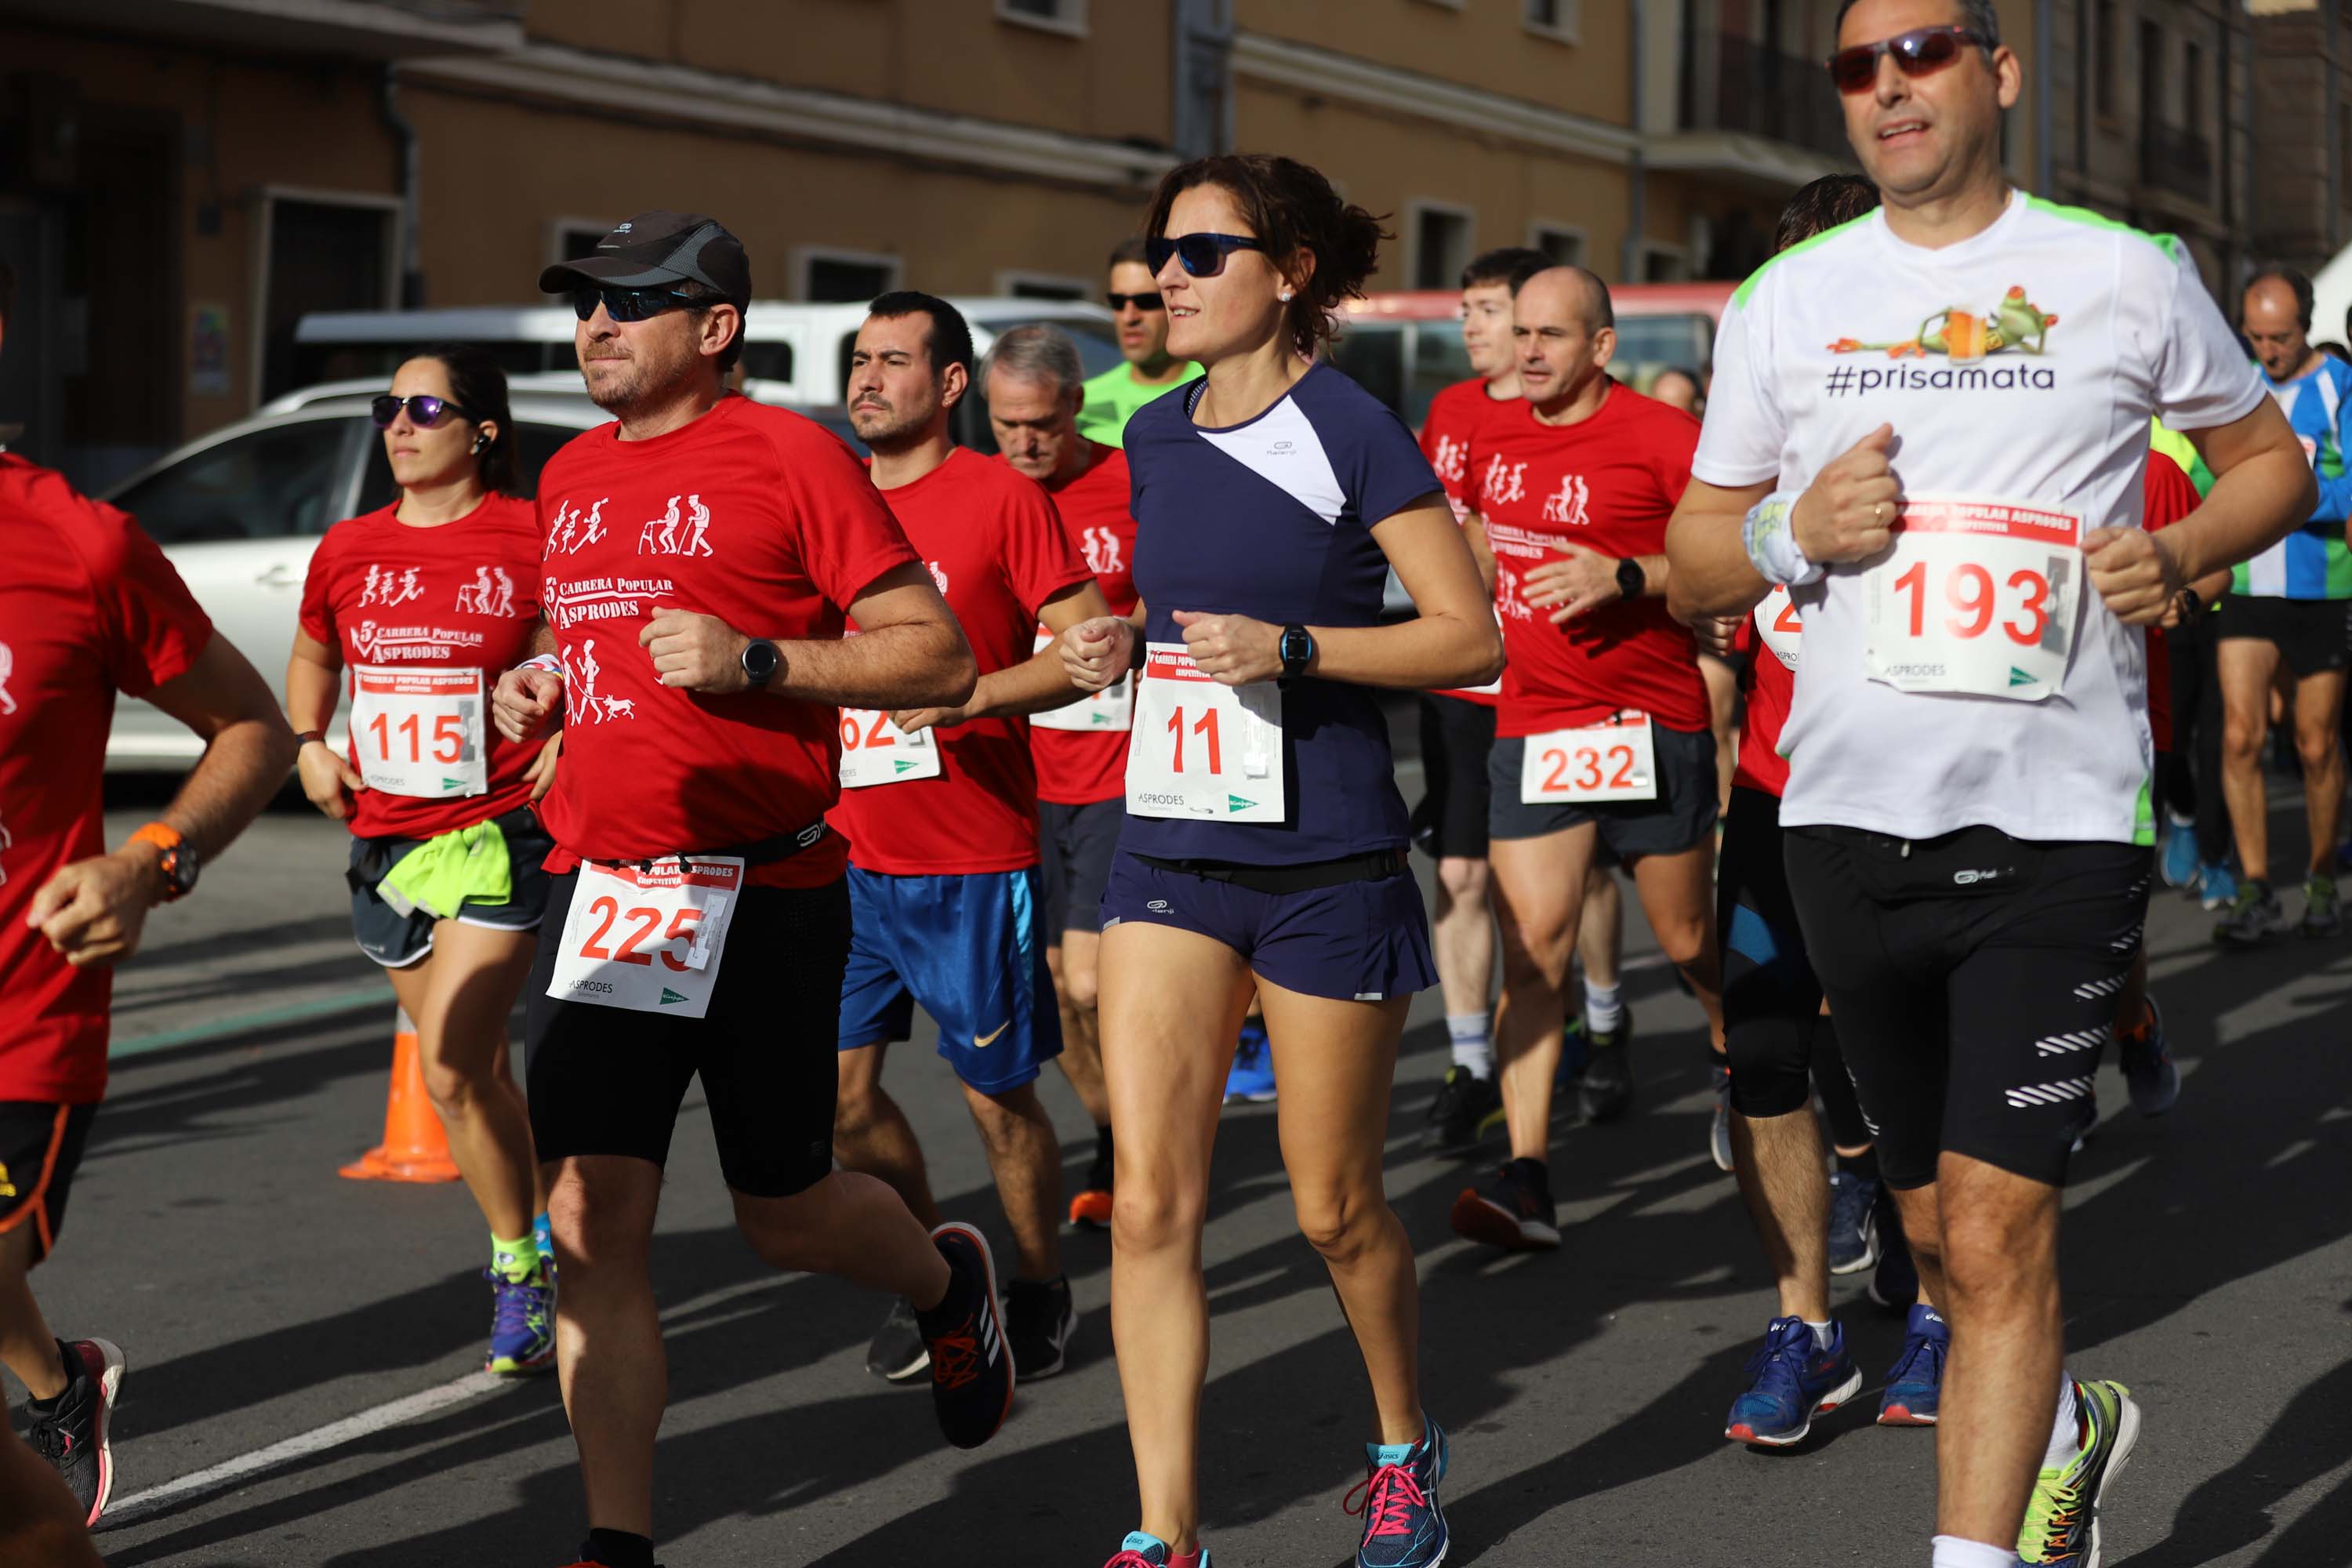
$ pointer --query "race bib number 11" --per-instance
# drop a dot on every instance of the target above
(648, 938)
(1976, 596)
(1204, 751)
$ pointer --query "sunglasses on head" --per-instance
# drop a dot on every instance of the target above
(627, 304)
(1922, 51)
(1151, 301)
(1204, 255)
(424, 410)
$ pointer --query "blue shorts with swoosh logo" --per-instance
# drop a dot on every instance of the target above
(970, 948)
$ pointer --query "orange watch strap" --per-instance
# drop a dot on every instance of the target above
(161, 834)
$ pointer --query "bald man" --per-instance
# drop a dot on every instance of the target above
(1602, 735)
(2287, 607)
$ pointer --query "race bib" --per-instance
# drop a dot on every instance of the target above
(648, 938)
(1111, 709)
(1976, 596)
(1614, 760)
(874, 751)
(1201, 749)
(1778, 627)
(418, 733)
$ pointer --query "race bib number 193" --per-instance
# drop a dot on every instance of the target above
(1975, 596)
(648, 938)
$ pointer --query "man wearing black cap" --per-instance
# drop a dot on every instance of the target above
(702, 553)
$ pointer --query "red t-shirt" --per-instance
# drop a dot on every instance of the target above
(997, 549)
(1078, 767)
(1456, 415)
(463, 595)
(754, 515)
(1771, 633)
(1610, 484)
(89, 606)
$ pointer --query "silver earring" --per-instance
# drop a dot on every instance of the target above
(1284, 296)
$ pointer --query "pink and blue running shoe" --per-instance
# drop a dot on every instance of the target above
(1404, 1526)
(1795, 1378)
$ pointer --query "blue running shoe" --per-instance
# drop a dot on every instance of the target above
(1915, 1387)
(2217, 885)
(1854, 1223)
(1251, 1080)
(1143, 1550)
(522, 1325)
(1795, 1379)
(2180, 864)
(1404, 1526)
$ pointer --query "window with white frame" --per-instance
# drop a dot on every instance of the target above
(1558, 19)
(1563, 244)
(1440, 244)
(1054, 16)
(822, 275)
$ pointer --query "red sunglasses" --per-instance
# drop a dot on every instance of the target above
(1922, 51)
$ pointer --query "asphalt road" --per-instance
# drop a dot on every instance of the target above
(323, 1333)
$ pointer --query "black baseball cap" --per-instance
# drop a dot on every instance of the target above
(656, 247)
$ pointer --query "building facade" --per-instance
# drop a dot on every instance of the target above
(2303, 128)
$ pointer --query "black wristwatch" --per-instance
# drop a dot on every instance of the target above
(762, 659)
(1631, 579)
(1297, 649)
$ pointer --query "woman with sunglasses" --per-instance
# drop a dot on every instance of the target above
(412, 611)
(1264, 842)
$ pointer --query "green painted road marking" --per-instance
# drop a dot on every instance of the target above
(241, 1023)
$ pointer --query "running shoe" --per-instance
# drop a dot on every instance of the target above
(1465, 1109)
(1914, 1385)
(898, 1353)
(2149, 1072)
(1895, 1285)
(2321, 915)
(1397, 1498)
(2061, 1517)
(1511, 1209)
(2253, 919)
(1144, 1550)
(1854, 1223)
(2178, 865)
(1039, 1319)
(73, 1436)
(1251, 1081)
(2217, 885)
(522, 1325)
(971, 1374)
(1605, 1092)
(1793, 1377)
(1719, 1136)
(1091, 1205)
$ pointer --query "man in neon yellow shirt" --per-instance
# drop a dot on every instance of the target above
(1113, 397)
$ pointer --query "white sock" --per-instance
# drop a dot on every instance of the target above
(1604, 1011)
(2065, 1433)
(1951, 1552)
(1472, 1049)
(1821, 1333)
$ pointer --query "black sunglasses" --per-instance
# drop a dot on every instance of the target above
(1151, 301)
(424, 410)
(1922, 51)
(1204, 255)
(627, 304)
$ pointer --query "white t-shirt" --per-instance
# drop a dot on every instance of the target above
(1815, 353)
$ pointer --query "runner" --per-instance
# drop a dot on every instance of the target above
(1032, 380)
(1602, 735)
(89, 606)
(1266, 841)
(939, 805)
(424, 603)
(2286, 611)
(709, 547)
(1969, 858)
(1149, 370)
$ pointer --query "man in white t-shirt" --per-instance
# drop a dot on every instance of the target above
(1931, 423)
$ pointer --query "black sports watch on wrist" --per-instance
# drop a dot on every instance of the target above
(1632, 581)
(1298, 651)
(760, 660)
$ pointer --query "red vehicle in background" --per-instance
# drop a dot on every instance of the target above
(1404, 346)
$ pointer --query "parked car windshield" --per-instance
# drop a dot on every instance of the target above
(265, 484)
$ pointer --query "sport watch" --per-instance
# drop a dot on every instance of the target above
(760, 660)
(179, 862)
(1632, 581)
(1297, 651)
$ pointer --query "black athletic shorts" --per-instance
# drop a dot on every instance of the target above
(1074, 847)
(396, 940)
(40, 1148)
(1771, 1000)
(1973, 977)
(1457, 735)
(609, 1080)
(1680, 817)
(2313, 636)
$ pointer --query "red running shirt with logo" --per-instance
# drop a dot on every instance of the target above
(89, 606)
(754, 515)
(463, 595)
(1074, 767)
(1451, 429)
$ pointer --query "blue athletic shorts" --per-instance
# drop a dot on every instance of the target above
(1357, 942)
(969, 948)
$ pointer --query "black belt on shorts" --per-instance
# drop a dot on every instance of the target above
(377, 859)
(1376, 866)
(761, 852)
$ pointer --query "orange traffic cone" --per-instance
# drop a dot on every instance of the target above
(414, 1147)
